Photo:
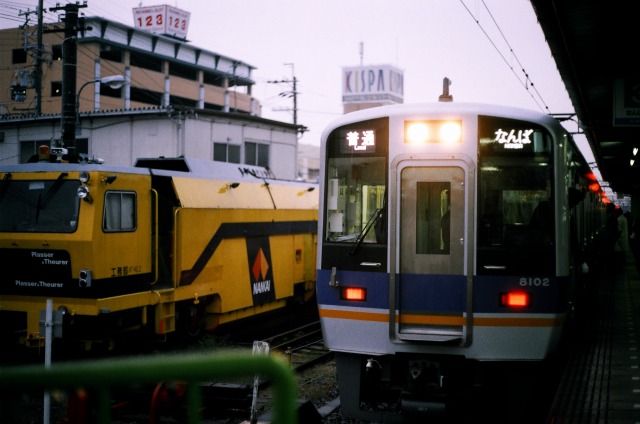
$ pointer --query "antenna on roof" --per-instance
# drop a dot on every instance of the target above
(445, 96)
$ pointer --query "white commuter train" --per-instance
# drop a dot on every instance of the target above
(450, 242)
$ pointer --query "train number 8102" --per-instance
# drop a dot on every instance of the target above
(534, 282)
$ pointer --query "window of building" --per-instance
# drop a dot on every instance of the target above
(56, 52)
(146, 96)
(29, 148)
(211, 106)
(183, 71)
(56, 88)
(119, 211)
(223, 152)
(105, 90)
(19, 56)
(145, 61)
(210, 78)
(82, 147)
(256, 154)
(183, 101)
(111, 53)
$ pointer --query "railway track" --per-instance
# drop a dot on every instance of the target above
(225, 402)
(302, 346)
(231, 402)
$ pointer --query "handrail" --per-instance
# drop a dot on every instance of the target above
(188, 368)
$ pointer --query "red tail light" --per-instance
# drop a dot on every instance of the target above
(356, 294)
(516, 299)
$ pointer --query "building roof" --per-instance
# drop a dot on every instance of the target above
(169, 48)
(593, 44)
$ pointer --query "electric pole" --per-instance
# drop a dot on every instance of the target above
(294, 93)
(37, 74)
(69, 70)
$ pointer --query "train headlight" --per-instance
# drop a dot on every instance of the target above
(84, 278)
(83, 193)
(84, 177)
(417, 133)
(450, 132)
(421, 132)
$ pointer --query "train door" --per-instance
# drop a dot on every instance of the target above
(432, 287)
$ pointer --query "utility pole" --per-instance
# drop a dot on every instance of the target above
(294, 93)
(19, 87)
(37, 74)
(69, 70)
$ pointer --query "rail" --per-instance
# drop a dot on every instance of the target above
(104, 375)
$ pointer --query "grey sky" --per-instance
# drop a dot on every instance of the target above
(492, 50)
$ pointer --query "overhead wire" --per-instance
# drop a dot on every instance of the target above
(528, 81)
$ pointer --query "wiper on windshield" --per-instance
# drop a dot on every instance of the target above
(44, 200)
(377, 214)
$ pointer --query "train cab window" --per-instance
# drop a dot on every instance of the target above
(515, 194)
(356, 183)
(119, 211)
(515, 190)
(42, 206)
(355, 199)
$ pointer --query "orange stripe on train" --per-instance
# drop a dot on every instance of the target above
(444, 320)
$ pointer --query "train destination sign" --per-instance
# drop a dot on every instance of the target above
(358, 141)
(512, 139)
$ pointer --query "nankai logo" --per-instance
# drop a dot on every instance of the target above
(260, 270)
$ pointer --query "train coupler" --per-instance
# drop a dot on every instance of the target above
(425, 375)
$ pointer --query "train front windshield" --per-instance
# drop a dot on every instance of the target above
(515, 198)
(43, 206)
(356, 183)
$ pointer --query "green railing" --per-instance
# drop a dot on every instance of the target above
(193, 369)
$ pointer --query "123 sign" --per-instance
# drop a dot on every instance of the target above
(163, 19)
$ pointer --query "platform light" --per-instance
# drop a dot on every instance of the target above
(591, 176)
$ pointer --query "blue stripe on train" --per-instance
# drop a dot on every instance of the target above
(446, 293)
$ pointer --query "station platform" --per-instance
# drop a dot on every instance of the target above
(601, 382)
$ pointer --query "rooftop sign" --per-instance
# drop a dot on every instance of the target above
(164, 20)
(372, 84)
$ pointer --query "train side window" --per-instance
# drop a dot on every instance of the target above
(119, 211)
